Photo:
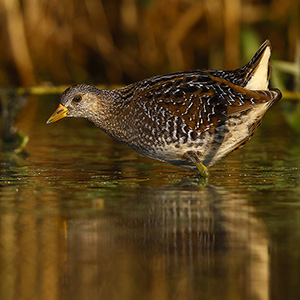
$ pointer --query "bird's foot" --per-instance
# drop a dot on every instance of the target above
(203, 171)
(194, 157)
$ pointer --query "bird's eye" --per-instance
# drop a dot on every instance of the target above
(76, 99)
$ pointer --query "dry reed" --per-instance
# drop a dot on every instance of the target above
(123, 41)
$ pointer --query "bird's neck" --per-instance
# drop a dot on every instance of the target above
(111, 115)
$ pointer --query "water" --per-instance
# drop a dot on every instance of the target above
(84, 217)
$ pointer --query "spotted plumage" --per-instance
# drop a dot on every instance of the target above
(191, 119)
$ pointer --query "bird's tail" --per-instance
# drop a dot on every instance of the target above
(255, 74)
(258, 71)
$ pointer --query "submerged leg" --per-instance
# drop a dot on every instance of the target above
(202, 169)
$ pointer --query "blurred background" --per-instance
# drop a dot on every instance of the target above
(85, 217)
(121, 41)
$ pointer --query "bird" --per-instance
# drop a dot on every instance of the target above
(190, 119)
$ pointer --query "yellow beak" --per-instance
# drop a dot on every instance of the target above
(60, 113)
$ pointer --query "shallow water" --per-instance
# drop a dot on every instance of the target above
(84, 217)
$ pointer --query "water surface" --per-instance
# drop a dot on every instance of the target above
(84, 217)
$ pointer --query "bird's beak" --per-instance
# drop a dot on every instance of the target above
(60, 113)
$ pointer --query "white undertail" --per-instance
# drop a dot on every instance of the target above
(260, 77)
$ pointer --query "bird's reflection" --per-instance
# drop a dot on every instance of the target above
(93, 238)
(170, 243)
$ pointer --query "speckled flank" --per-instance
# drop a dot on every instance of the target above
(197, 112)
(202, 114)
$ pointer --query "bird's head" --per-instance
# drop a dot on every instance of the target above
(78, 101)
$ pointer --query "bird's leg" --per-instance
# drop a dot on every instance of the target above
(193, 156)
(202, 169)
